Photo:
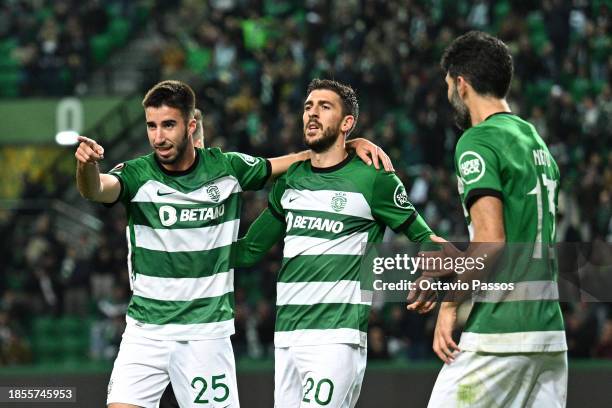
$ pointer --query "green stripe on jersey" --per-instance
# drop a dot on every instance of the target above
(312, 182)
(207, 310)
(196, 264)
(322, 316)
(177, 216)
(320, 268)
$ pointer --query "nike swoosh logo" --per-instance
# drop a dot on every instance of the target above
(159, 193)
(292, 199)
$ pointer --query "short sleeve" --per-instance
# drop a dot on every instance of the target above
(252, 172)
(276, 196)
(478, 167)
(390, 203)
(123, 172)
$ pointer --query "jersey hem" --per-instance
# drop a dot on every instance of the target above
(318, 337)
(517, 342)
(180, 332)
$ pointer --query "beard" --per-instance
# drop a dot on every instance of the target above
(181, 147)
(328, 138)
(463, 120)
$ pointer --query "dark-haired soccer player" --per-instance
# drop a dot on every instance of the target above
(512, 352)
(183, 206)
(326, 208)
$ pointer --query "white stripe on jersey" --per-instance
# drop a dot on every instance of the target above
(184, 289)
(313, 337)
(350, 244)
(311, 293)
(321, 200)
(180, 332)
(186, 239)
(154, 191)
(517, 342)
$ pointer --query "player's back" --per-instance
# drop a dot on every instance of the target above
(506, 158)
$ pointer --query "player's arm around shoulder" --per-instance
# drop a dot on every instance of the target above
(91, 184)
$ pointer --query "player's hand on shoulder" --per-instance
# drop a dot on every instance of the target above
(88, 151)
(370, 153)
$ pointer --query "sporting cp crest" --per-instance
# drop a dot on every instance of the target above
(213, 192)
(338, 202)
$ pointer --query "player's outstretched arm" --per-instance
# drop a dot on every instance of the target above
(90, 183)
(265, 231)
(281, 164)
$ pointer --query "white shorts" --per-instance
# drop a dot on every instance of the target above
(202, 372)
(328, 375)
(477, 379)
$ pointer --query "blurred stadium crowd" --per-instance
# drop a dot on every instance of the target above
(250, 62)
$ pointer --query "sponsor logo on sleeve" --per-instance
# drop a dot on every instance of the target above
(400, 198)
(117, 168)
(471, 167)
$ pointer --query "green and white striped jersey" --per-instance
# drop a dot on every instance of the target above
(181, 226)
(505, 157)
(329, 214)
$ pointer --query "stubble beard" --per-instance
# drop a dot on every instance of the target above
(463, 119)
(328, 139)
(180, 151)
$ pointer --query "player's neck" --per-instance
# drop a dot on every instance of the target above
(332, 156)
(485, 106)
(184, 163)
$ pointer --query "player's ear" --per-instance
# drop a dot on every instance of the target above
(191, 126)
(347, 123)
(462, 86)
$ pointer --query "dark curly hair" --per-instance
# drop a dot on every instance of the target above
(483, 60)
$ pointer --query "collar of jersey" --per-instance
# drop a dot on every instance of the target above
(335, 167)
(181, 172)
(498, 113)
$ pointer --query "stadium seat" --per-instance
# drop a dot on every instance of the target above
(198, 59)
(119, 31)
(101, 46)
(10, 80)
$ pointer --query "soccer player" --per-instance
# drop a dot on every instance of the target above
(512, 351)
(183, 206)
(325, 208)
